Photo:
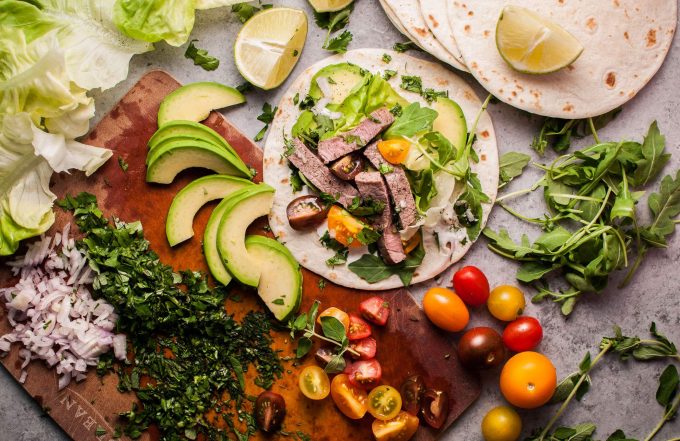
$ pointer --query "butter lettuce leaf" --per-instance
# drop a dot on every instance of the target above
(155, 20)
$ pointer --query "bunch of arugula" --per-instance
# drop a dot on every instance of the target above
(592, 228)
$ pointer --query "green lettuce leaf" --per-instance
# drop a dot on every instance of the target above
(155, 20)
(210, 4)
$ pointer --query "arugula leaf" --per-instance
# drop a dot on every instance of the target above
(668, 386)
(405, 46)
(511, 166)
(664, 206)
(338, 44)
(653, 157)
(372, 268)
(413, 119)
(201, 57)
(468, 207)
(437, 142)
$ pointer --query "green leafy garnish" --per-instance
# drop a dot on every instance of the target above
(341, 251)
(267, 116)
(389, 74)
(244, 11)
(123, 164)
(333, 21)
(413, 119)
(512, 165)
(201, 57)
(372, 268)
(386, 58)
(365, 207)
(412, 83)
(405, 46)
(339, 43)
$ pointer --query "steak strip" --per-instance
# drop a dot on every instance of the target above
(347, 142)
(397, 184)
(319, 175)
(372, 186)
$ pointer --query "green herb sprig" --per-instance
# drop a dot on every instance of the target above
(267, 116)
(201, 57)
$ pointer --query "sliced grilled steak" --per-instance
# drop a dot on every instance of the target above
(372, 186)
(340, 145)
(319, 175)
(398, 186)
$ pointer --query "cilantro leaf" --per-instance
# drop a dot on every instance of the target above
(405, 46)
(267, 116)
(201, 57)
(244, 11)
(338, 44)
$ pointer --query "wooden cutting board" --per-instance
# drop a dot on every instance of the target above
(408, 345)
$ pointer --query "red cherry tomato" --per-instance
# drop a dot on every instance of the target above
(364, 373)
(366, 347)
(471, 285)
(358, 328)
(523, 334)
(375, 310)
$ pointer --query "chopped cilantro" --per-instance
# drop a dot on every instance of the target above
(412, 83)
(123, 165)
(389, 74)
(267, 116)
(201, 57)
(386, 58)
(403, 47)
(339, 44)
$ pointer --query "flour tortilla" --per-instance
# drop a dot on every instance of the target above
(625, 43)
(434, 14)
(305, 245)
(412, 24)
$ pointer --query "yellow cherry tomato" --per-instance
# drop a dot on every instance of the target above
(350, 399)
(384, 402)
(344, 227)
(502, 423)
(394, 151)
(528, 380)
(506, 302)
(339, 314)
(400, 428)
(314, 383)
(412, 243)
(445, 309)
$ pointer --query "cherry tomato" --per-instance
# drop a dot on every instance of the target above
(412, 243)
(400, 428)
(524, 334)
(384, 402)
(358, 328)
(375, 310)
(366, 347)
(350, 399)
(528, 380)
(445, 309)
(338, 314)
(481, 348)
(364, 373)
(394, 151)
(435, 407)
(270, 410)
(506, 302)
(471, 285)
(344, 227)
(314, 383)
(501, 423)
(412, 393)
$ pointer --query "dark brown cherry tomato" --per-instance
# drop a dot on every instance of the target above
(375, 310)
(481, 348)
(348, 167)
(435, 407)
(270, 409)
(358, 328)
(366, 347)
(323, 356)
(364, 373)
(306, 212)
(524, 334)
(412, 393)
(471, 285)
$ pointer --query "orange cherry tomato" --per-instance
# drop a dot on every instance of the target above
(400, 428)
(528, 380)
(314, 383)
(445, 309)
(339, 314)
(394, 151)
(350, 399)
(344, 227)
(506, 302)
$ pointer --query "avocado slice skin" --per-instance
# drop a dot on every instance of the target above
(280, 287)
(187, 202)
(240, 210)
(180, 129)
(450, 122)
(195, 101)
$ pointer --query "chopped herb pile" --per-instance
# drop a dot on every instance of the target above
(190, 355)
(201, 57)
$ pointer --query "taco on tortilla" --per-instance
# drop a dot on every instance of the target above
(379, 183)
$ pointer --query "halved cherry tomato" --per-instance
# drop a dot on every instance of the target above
(528, 380)
(412, 243)
(350, 399)
(344, 227)
(364, 373)
(502, 423)
(471, 285)
(435, 407)
(524, 334)
(412, 393)
(400, 428)
(445, 309)
(394, 151)
(366, 347)
(375, 310)
(358, 328)
(338, 314)
(384, 402)
(506, 302)
(314, 383)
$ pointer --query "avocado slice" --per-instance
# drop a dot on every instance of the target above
(164, 163)
(241, 209)
(450, 122)
(344, 79)
(280, 286)
(181, 129)
(212, 254)
(187, 202)
(195, 101)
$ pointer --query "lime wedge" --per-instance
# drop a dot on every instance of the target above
(269, 45)
(532, 44)
(329, 5)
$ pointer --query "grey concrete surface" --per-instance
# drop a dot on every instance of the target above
(622, 395)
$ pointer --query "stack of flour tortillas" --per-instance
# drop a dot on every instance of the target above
(624, 44)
